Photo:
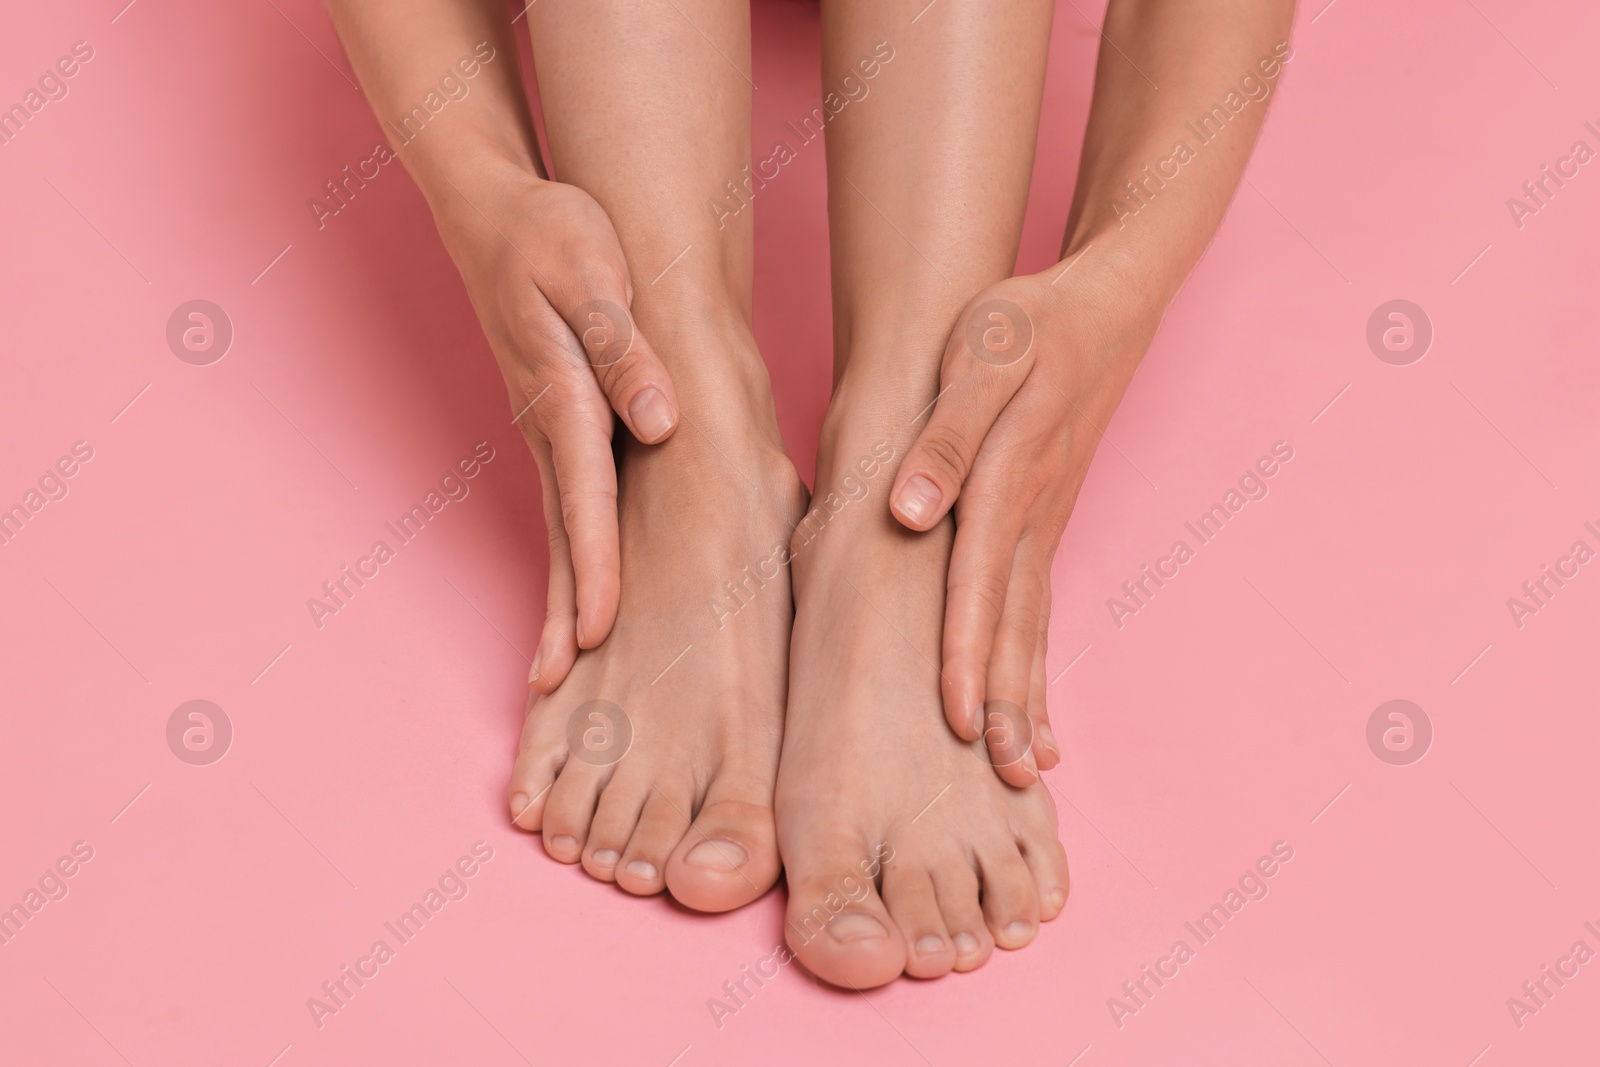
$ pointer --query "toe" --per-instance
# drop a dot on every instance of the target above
(909, 896)
(569, 809)
(614, 822)
(539, 760)
(837, 924)
(1047, 861)
(662, 824)
(729, 857)
(1010, 902)
(956, 886)
(1045, 748)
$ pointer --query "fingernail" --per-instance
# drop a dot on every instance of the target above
(853, 926)
(917, 499)
(1047, 738)
(717, 855)
(966, 944)
(651, 414)
(533, 670)
(519, 804)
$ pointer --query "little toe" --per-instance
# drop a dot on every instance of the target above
(1047, 861)
(539, 760)
(909, 896)
(728, 858)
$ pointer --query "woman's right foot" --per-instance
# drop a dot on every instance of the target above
(903, 849)
(652, 763)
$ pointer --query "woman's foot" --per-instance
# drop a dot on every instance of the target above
(653, 762)
(904, 851)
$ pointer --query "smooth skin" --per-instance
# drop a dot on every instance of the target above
(903, 679)
(1010, 440)
(648, 113)
(927, 185)
(536, 255)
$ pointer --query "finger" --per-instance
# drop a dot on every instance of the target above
(984, 364)
(1008, 724)
(627, 368)
(579, 427)
(558, 642)
(1045, 747)
(975, 595)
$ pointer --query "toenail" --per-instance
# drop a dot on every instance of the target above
(645, 872)
(533, 668)
(519, 804)
(651, 415)
(563, 843)
(1047, 738)
(855, 927)
(719, 855)
(606, 857)
(1017, 932)
(1058, 899)
(917, 499)
(966, 944)
(929, 945)
(977, 721)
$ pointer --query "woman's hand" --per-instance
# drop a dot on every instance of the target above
(546, 275)
(1031, 375)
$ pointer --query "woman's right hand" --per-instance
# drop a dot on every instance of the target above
(546, 275)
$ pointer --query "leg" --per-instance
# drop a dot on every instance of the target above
(674, 790)
(928, 178)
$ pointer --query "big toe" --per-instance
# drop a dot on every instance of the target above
(838, 926)
(728, 858)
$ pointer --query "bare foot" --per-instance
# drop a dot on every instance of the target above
(653, 761)
(904, 851)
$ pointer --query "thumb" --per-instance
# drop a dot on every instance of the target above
(985, 362)
(626, 367)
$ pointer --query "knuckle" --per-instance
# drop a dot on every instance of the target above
(985, 588)
(946, 448)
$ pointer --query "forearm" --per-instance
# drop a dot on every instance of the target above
(1178, 101)
(443, 81)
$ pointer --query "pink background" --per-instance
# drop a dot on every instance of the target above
(1223, 718)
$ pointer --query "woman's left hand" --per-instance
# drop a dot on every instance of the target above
(1031, 375)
